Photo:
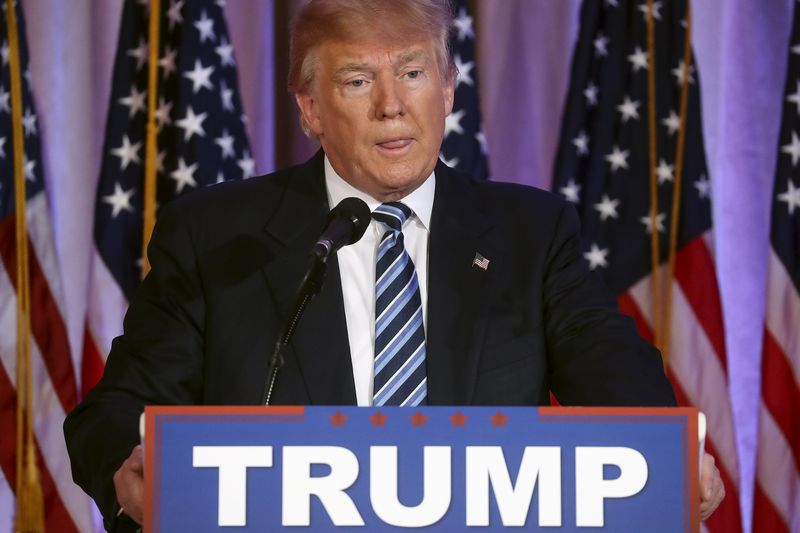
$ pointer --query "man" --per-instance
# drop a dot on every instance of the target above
(482, 294)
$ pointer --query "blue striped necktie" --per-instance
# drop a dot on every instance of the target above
(400, 374)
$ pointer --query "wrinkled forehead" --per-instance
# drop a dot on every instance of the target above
(335, 56)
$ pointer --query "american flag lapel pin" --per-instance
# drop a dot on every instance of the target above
(480, 262)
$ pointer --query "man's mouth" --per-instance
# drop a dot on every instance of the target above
(394, 144)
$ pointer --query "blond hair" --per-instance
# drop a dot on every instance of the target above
(391, 21)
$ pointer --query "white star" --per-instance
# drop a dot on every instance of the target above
(601, 45)
(29, 122)
(629, 109)
(464, 70)
(225, 142)
(665, 172)
(596, 257)
(481, 138)
(672, 122)
(27, 75)
(795, 98)
(206, 27)
(120, 200)
(571, 191)
(618, 159)
(220, 177)
(2, 151)
(162, 113)
(29, 166)
(127, 152)
(4, 102)
(140, 53)
(247, 164)
(449, 162)
(638, 59)
(134, 102)
(200, 76)
(4, 51)
(607, 208)
(791, 197)
(792, 149)
(220, 3)
(226, 95)
(581, 143)
(183, 175)
(453, 123)
(225, 52)
(160, 160)
(703, 186)
(463, 25)
(678, 72)
(796, 49)
(174, 13)
(590, 93)
(655, 12)
(648, 222)
(612, 3)
(168, 61)
(192, 124)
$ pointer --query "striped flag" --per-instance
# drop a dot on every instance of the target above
(54, 387)
(201, 140)
(776, 505)
(640, 184)
(464, 144)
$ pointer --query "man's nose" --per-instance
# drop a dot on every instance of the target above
(388, 100)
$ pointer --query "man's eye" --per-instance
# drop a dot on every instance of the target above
(414, 74)
(357, 83)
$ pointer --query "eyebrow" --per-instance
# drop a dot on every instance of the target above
(404, 59)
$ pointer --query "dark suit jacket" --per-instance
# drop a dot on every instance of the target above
(227, 260)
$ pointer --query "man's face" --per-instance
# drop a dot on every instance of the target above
(379, 113)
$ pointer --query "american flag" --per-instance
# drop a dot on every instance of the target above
(603, 168)
(201, 140)
(464, 145)
(777, 492)
(55, 390)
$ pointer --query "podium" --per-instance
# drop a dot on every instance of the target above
(435, 468)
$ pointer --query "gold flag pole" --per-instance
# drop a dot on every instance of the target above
(30, 508)
(151, 156)
(676, 191)
(658, 325)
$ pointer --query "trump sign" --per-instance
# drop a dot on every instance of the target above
(438, 468)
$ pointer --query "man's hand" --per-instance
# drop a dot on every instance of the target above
(129, 484)
(712, 490)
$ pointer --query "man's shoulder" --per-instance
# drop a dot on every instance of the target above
(255, 197)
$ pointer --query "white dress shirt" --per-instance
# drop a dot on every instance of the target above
(357, 271)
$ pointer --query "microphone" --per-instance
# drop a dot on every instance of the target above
(346, 224)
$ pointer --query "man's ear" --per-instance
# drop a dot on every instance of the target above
(309, 110)
(450, 91)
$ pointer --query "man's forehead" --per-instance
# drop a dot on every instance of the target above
(349, 55)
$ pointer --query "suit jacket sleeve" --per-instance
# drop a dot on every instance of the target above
(595, 355)
(157, 361)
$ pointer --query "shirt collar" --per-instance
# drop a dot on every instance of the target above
(420, 200)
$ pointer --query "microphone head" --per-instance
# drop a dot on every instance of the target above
(357, 212)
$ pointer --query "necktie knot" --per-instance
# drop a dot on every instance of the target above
(393, 214)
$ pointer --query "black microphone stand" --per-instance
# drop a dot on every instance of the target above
(311, 286)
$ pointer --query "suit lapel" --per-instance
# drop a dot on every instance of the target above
(319, 354)
(456, 289)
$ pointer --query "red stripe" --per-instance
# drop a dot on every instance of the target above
(694, 271)
(47, 325)
(766, 518)
(727, 518)
(781, 394)
(57, 517)
(629, 307)
(91, 363)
